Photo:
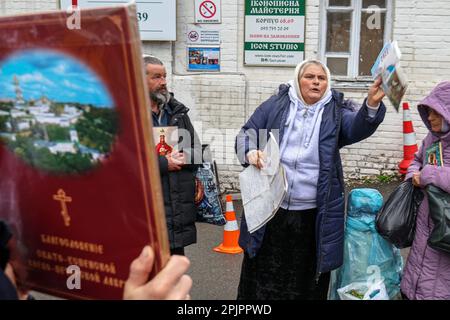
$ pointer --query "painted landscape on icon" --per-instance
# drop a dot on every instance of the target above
(55, 113)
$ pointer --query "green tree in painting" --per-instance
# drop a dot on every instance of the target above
(68, 163)
(97, 128)
(38, 131)
(24, 147)
(3, 121)
(57, 133)
(6, 105)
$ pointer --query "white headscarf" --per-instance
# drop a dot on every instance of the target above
(300, 69)
(298, 102)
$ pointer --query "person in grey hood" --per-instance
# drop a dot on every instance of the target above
(427, 271)
(292, 255)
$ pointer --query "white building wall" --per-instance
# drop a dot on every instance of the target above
(220, 103)
(23, 6)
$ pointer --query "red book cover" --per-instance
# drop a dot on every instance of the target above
(79, 180)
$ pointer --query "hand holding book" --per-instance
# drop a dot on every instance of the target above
(376, 93)
(171, 283)
(176, 160)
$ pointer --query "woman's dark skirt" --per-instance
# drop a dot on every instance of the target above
(285, 266)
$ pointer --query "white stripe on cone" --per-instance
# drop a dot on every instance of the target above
(407, 115)
(231, 226)
(229, 206)
(409, 139)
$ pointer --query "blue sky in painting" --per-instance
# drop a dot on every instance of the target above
(59, 77)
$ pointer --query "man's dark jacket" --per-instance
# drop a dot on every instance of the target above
(179, 186)
(341, 125)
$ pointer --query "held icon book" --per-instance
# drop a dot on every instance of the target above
(387, 66)
(80, 185)
(433, 155)
(165, 139)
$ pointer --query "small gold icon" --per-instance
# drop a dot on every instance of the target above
(61, 197)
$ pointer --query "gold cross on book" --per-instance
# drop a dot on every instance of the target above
(61, 197)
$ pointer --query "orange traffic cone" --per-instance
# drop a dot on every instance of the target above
(409, 140)
(230, 232)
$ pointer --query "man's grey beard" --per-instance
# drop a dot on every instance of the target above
(160, 98)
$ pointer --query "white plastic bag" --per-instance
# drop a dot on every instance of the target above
(361, 291)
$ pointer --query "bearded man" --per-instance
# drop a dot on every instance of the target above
(177, 168)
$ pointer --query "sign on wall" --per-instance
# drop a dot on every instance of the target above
(207, 11)
(197, 35)
(274, 32)
(203, 59)
(157, 19)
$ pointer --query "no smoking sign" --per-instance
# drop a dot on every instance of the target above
(193, 36)
(207, 11)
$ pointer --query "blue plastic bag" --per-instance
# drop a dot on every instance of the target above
(364, 248)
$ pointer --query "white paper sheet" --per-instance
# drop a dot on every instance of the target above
(263, 190)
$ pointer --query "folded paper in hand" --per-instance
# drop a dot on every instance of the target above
(387, 66)
(263, 190)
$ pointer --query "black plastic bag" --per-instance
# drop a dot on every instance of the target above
(439, 202)
(396, 221)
